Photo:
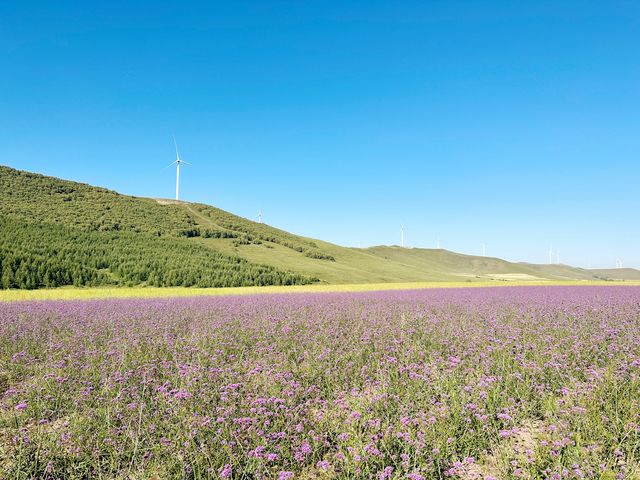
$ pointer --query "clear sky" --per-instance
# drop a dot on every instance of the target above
(514, 124)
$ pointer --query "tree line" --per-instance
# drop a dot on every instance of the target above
(45, 255)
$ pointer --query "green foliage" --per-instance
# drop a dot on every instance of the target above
(257, 233)
(55, 232)
(43, 199)
(317, 254)
(43, 255)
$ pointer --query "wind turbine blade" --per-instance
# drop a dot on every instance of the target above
(185, 163)
(172, 163)
(176, 145)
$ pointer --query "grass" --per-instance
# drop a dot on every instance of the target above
(75, 293)
(395, 264)
(83, 209)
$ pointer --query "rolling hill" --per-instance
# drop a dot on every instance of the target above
(616, 273)
(55, 232)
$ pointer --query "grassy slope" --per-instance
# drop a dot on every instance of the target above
(395, 264)
(56, 232)
(564, 272)
(87, 207)
(617, 273)
(351, 265)
(372, 265)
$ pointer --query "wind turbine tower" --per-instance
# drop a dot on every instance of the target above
(177, 163)
(402, 236)
(260, 216)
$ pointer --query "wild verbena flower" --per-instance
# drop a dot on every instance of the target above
(226, 471)
(383, 385)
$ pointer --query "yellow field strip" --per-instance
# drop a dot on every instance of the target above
(73, 293)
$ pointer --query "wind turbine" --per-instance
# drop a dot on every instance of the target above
(402, 235)
(177, 162)
(260, 216)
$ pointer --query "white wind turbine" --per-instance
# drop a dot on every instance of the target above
(260, 216)
(402, 235)
(177, 163)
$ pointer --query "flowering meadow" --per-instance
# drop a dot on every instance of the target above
(482, 383)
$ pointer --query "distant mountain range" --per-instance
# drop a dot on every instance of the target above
(56, 232)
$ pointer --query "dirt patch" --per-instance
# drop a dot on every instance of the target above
(518, 447)
(168, 201)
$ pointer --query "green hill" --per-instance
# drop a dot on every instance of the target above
(55, 232)
(616, 273)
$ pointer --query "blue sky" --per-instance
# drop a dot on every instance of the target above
(510, 124)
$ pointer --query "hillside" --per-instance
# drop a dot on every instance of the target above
(616, 273)
(55, 232)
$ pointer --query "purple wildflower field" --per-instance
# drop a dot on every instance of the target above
(478, 383)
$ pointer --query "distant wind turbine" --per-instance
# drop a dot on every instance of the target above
(260, 216)
(402, 235)
(177, 163)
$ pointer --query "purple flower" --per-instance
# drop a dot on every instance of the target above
(386, 473)
(181, 394)
(219, 373)
(226, 471)
(305, 448)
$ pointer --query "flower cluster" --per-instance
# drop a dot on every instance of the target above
(510, 382)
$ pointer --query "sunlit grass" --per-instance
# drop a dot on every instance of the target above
(73, 293)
